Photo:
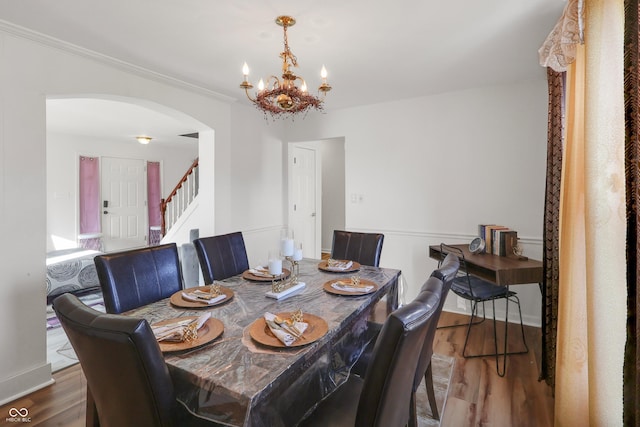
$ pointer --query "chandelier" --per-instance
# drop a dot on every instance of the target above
(282, 97)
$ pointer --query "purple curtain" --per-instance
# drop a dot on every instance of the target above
(154, 200)
(89, 195)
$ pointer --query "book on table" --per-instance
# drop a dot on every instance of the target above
(508, 241)
(482, 232)
(499, 239)
(490, 233)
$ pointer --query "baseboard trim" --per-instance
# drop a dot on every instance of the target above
(526, 320)
(25, 383)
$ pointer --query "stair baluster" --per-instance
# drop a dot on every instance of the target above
(179, 199)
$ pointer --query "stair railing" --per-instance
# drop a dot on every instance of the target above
(179, 199)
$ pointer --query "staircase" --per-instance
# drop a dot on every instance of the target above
(180, 198)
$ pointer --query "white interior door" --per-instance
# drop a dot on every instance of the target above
(304, 201)
(124, 203)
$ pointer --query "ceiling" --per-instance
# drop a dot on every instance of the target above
(374, 51)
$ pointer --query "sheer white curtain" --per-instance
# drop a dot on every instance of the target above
(592, 284)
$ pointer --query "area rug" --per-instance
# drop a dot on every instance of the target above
(60, 354)
(53, 322)
(442, 370)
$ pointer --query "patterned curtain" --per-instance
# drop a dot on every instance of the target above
(556, 54)
(632, 177)
(555, 131)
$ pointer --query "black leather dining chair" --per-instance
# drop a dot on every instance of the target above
(137, 277)
(382, 397)
(364, 248)
(128, 380)
(439, 282)
(221, 256)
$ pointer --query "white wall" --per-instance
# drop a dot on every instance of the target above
(431, 169)
(31, 71)
(333, 189)
(257, 176)
(63, 152)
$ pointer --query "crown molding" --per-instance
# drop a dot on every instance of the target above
(49, 41)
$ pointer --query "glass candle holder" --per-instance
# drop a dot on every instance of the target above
(275, 263)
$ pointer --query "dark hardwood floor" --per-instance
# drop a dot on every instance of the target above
(477, 395)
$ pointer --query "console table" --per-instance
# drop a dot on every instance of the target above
(500, 270)
(503, 271)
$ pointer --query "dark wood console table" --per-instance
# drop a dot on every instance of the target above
(500, 270)
(503, 271)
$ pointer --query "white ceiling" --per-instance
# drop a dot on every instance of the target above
(375, 51)
(116, 121)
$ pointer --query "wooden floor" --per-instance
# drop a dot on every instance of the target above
(61, 404)
(477, 395)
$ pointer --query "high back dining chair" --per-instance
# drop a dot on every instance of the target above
(364, 248)
(127, 378)
(439, 281)
(137, 277)
(382, 397)
(221, 256)
(476, 291)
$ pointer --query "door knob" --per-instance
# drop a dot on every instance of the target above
(313, 214)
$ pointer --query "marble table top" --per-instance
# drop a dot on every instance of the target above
(237, 381)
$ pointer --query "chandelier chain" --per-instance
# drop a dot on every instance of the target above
(287, 52)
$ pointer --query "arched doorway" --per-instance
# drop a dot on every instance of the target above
(107, 127)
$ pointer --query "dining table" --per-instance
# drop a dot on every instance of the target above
(238, 380)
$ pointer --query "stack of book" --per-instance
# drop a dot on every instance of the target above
(499, 240)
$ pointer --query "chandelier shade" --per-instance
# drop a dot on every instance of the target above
(287, 95)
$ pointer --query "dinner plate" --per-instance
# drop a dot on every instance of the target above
(211, 330)
(327, 287)
(261, 333)
(324, 266)
(248, 275)
(177, 299)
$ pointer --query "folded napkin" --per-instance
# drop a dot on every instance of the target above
(287, 292)
(261, 272)
(281, 331)
(202, 296)
(174, 331)
(348, 287)
(340, 265)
